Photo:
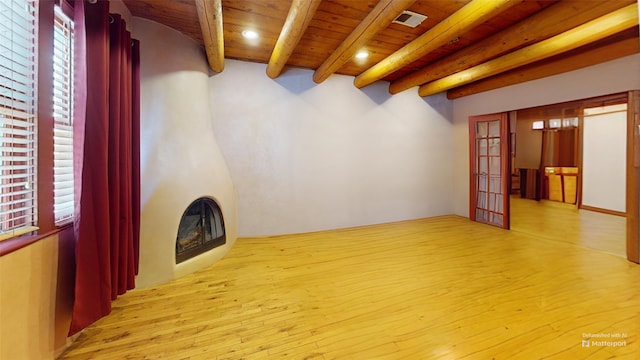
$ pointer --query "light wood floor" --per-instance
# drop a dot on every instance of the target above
(565, 222)
(440, 288)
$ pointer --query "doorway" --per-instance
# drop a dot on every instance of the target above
(546, 186)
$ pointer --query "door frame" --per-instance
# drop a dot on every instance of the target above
(632, 168)
(633, 176)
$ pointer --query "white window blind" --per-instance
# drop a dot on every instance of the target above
(63, 202)
(18, 68)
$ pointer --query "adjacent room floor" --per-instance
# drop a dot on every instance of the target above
(565, 222)
(439, 288)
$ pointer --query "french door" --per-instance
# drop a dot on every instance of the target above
(489, 169)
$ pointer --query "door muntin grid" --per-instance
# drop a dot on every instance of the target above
(488, 176)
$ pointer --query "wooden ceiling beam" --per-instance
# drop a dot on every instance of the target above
(610, 24)
(210, 16)
(463, 20)
(300, 15)
(591, 57)
(551, 21)
(378, 19)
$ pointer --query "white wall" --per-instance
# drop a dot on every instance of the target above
(307, 157)
(607, 78)
(604, 161)
(180, 159)
(118, 7)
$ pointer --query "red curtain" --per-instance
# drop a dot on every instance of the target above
(107, 223)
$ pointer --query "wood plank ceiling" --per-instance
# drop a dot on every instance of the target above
(463, 47)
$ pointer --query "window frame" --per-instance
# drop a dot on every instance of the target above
(63, 113)
(45, 144)
(23, 125)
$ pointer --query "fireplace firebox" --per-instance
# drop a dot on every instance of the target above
(201, 229)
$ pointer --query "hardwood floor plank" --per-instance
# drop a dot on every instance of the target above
(565, 222)
(437, 288)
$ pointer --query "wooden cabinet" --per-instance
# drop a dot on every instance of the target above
(561, 184)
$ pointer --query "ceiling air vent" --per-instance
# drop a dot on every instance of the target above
(410, 19)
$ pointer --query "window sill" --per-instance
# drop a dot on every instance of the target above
(10, 245)
(19, 232)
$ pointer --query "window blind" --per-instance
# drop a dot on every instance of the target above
(63, 185)
(18, 67)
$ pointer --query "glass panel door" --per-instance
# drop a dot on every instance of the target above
(489, 161)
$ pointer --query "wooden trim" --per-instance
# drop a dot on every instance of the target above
(604, 211)
(18, 232)
(611, 99)
(10, 245)
(544, 150)
(472, 165)
(580, 162)
(46, 220)
(66, 6)
(633, 176)
(505, 169)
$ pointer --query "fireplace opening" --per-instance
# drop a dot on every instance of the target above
(201, 229)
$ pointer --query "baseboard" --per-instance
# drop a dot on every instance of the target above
(601, 210)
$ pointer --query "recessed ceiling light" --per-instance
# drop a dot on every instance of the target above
(362, 55)
(250, 34)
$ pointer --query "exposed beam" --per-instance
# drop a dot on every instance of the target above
(594, 30)
(378, 19)
(551, 21)
(540, 70)
(210, 16)
(463, 20)
(300, 15)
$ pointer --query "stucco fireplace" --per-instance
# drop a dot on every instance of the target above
(186, 188)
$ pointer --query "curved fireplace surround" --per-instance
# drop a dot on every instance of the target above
(180, 159)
